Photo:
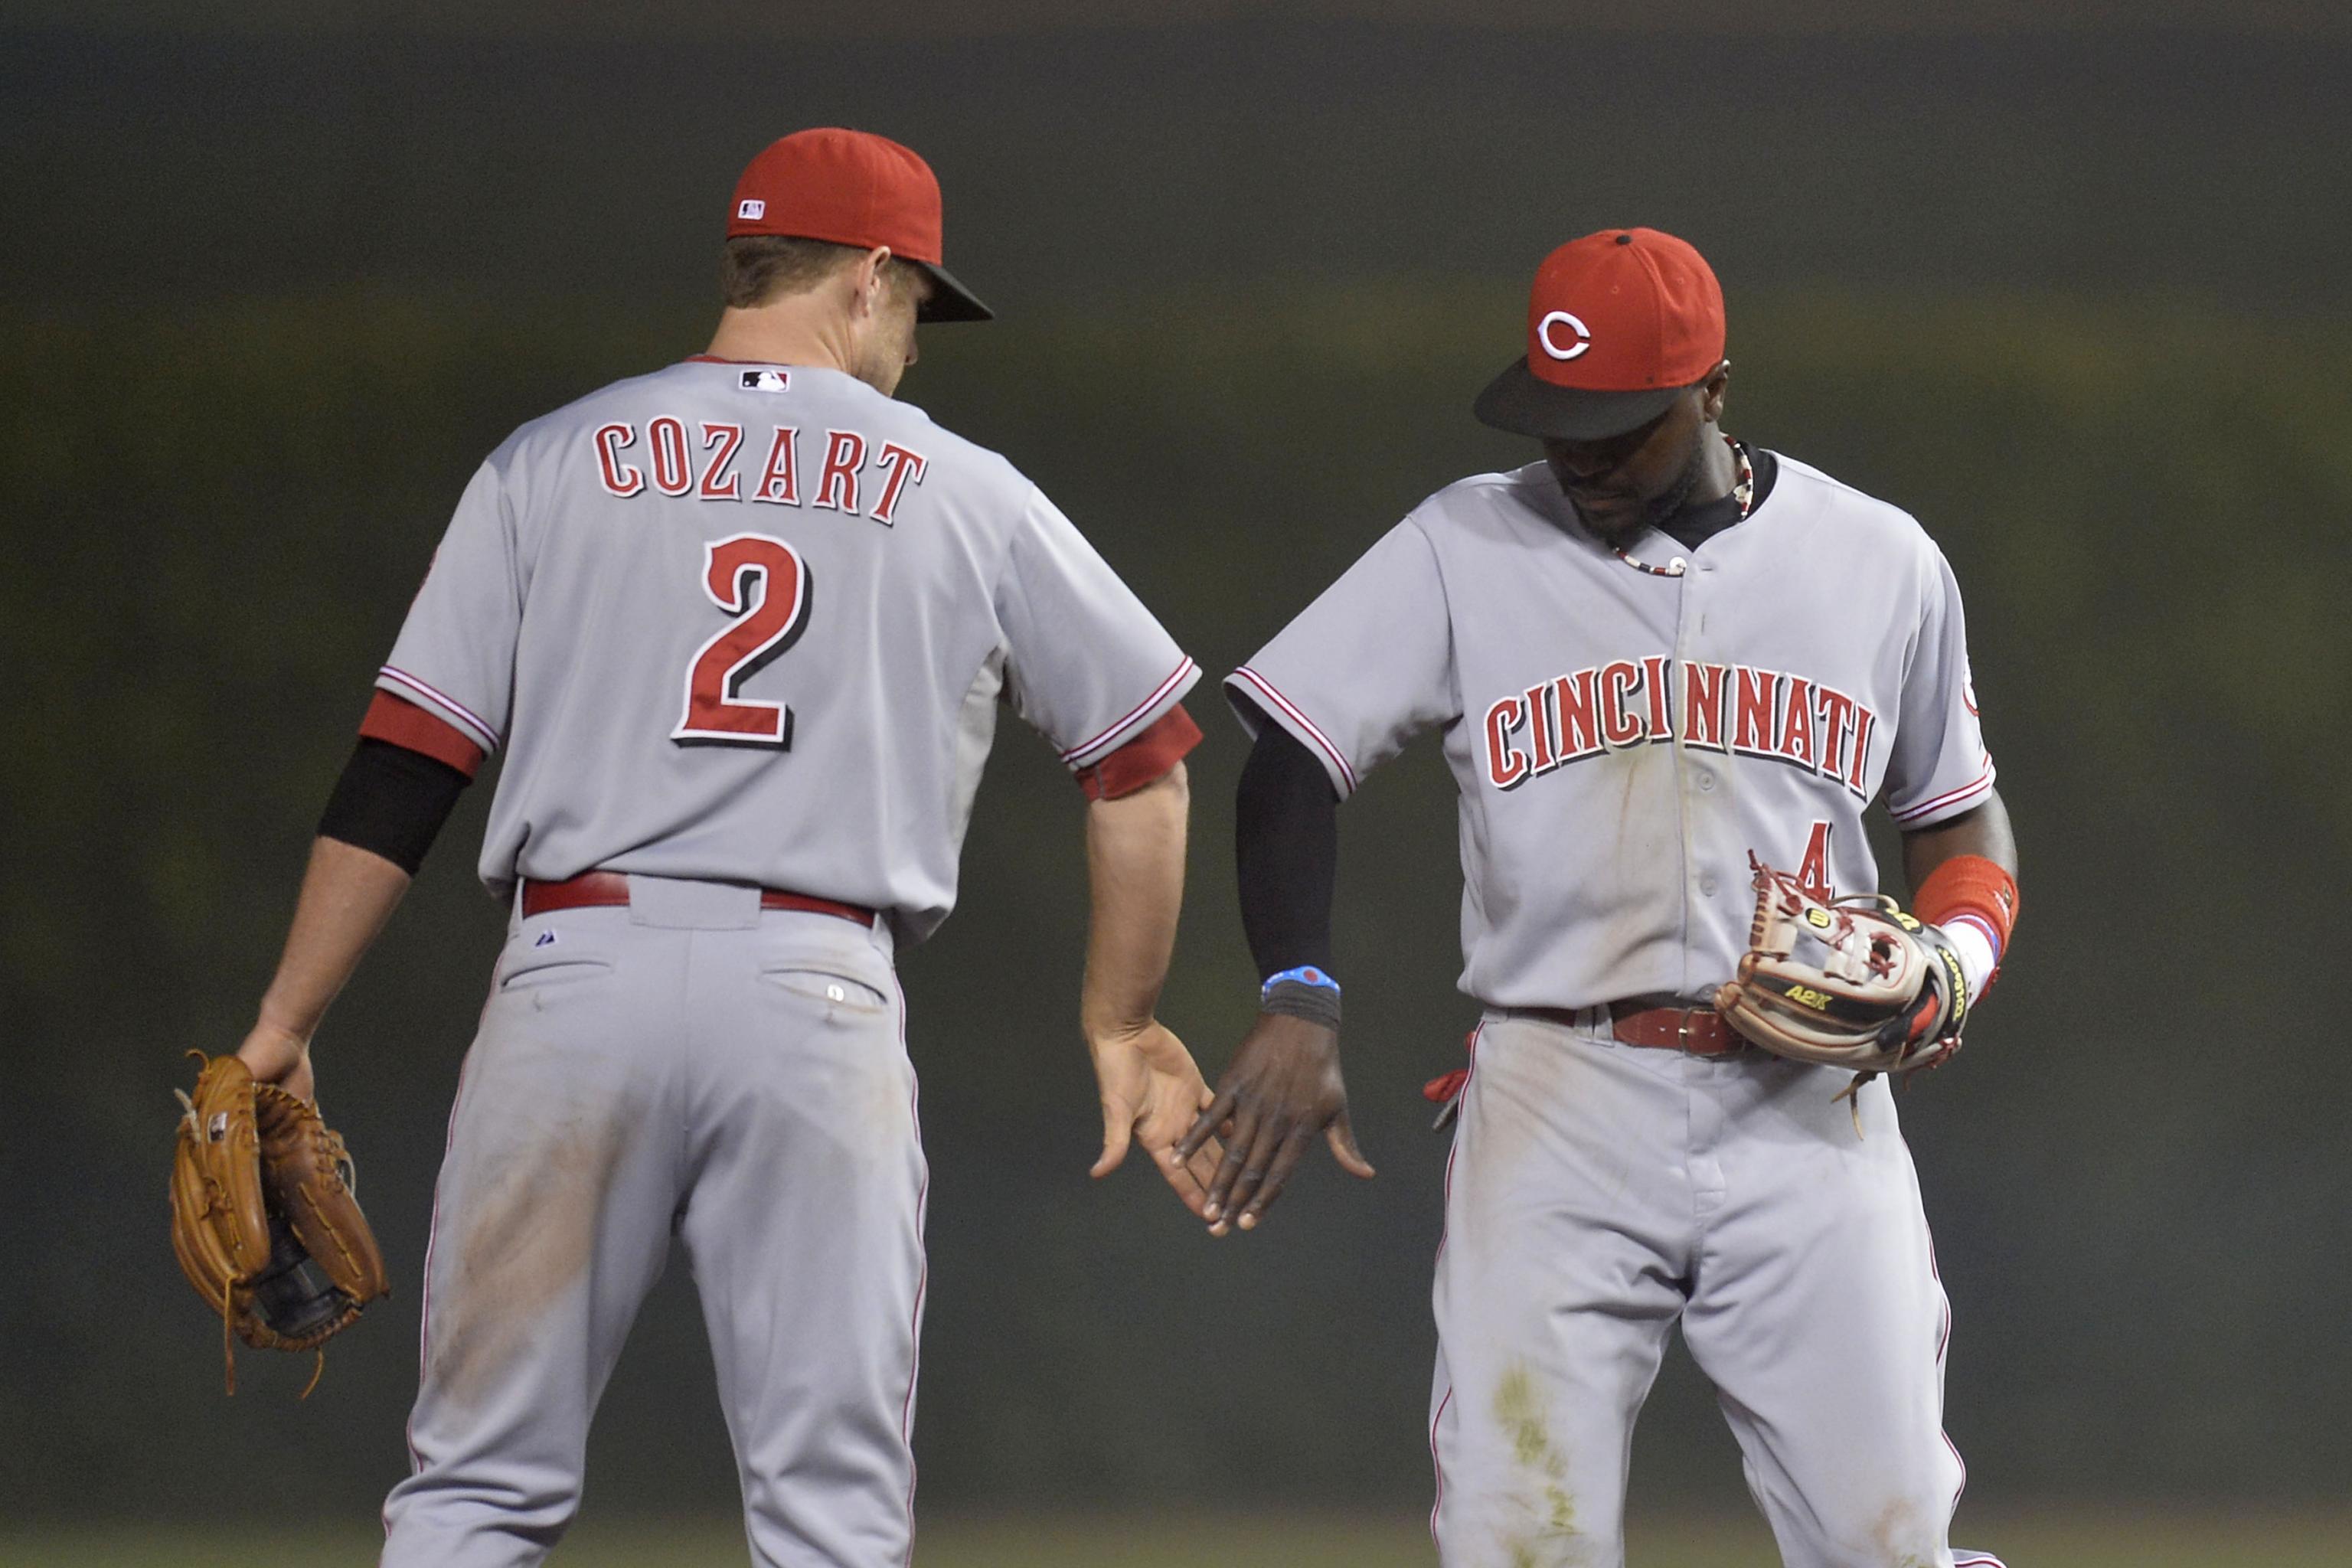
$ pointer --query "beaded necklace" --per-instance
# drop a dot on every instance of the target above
(1743, 491)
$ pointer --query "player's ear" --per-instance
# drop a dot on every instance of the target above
(873, 280)
(1711, 392)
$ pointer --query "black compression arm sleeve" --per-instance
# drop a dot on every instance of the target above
(391, 802)
(1287, 840)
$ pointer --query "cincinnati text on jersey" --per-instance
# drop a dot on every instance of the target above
(671, 464)
(1765, 713)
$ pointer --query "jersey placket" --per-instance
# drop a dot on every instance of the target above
(1691, 776)
(1696, 781)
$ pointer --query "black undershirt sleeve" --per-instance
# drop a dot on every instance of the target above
(391, 802)
(1286, 842)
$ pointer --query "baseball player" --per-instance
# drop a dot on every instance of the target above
(1650, 655)
(741, 628)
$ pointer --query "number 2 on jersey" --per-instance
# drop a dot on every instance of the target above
(764, 583)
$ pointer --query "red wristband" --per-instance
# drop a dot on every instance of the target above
(1971, 885)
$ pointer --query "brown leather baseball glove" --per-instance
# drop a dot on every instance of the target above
(263, 1218)
(1855, 983)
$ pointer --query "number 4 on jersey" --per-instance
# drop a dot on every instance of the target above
(765, 583)
(1813, 871)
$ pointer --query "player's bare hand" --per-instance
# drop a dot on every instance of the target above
(1283, 1087)
(1151, 1090)
(278, 1056)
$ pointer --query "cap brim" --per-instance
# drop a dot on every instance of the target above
(950, 300)
(1525, 403)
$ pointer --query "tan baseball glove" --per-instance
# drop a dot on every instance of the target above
(1855, 983)
(264, 1219)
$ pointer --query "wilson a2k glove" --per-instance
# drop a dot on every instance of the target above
(264, 1220)
(1852, 982)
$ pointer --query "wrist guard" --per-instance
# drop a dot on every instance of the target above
(1300, 999)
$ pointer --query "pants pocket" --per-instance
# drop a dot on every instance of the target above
(827, 988)
(531, 974)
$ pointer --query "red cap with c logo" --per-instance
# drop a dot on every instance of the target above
(1619, 323)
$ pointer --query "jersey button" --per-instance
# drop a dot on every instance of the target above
(1707, 883)
(1705, 783)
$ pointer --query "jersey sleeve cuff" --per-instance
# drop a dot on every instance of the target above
(399, 722)
(1147, 759)
(1143, 716)
(421, 693)
(1942, 807)
(1253, 696)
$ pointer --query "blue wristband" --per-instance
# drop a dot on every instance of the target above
(1306, 974)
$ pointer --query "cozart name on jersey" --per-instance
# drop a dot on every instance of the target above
(709, 465)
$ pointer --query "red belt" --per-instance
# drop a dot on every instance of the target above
(601, 889)
(1700, 1031)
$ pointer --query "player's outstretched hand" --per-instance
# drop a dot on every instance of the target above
(278, 1055)
(1283, 1087)
(1151, 1090)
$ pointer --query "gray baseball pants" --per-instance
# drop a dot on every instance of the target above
(688, 1067)
(1600, 1193)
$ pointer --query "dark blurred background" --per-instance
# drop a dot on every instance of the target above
(2067, 283)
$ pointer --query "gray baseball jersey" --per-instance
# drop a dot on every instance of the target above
(1624, 740)
(750, 623)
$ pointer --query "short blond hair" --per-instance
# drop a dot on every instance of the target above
(755, 269)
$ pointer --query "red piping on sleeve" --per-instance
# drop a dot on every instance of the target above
(1266, 688)
(1175, 678)
(470, 722)
(1949, 798)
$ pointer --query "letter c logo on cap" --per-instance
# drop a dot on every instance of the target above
(1583, 335)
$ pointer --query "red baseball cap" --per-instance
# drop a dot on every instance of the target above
(850, 187)
(1619, 324)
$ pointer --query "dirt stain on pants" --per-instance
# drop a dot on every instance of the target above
(530, 1237)
(1546, 1537)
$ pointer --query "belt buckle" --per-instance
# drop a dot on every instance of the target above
(1688, 1025)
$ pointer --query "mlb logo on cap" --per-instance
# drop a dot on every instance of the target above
(750, 209)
